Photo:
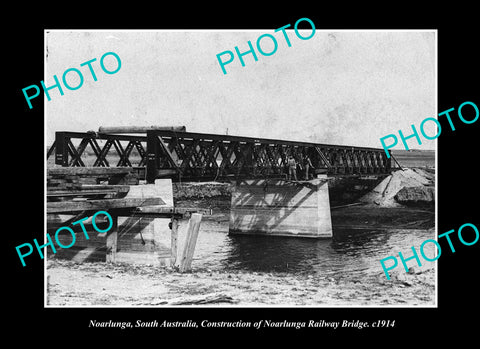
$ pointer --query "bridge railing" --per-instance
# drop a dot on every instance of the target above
(198, 156)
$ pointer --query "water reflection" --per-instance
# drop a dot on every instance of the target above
(349, 252)
(272, 253)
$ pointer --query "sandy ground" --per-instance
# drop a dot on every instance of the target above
(102, 284)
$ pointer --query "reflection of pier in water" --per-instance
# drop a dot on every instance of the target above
(282, 254)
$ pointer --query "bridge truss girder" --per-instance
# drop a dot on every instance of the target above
(187, 156)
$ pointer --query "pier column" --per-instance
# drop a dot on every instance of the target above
(281, 208)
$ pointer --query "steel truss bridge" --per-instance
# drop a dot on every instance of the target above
(187, 156)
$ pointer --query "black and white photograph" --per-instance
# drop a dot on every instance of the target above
(256, 183)
(309, 171)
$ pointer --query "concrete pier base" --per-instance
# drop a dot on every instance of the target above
(281, 208)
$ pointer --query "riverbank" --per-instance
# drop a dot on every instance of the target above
(343, 271)
(358, 230)
(102, 284)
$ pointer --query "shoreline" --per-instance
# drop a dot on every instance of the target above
(101, 284)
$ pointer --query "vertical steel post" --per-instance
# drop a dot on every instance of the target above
(152, 157)
(61, 149)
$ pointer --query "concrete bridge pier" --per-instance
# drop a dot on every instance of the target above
(281, 208)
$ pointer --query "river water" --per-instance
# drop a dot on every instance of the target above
(266, 270)
(351, 252)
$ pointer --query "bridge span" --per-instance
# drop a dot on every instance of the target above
(189, 156)
(263, 201)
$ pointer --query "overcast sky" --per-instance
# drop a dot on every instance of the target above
(339, 87)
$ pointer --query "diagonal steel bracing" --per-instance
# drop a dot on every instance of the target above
(203, 157)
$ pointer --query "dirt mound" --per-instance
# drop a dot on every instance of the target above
(406, 182)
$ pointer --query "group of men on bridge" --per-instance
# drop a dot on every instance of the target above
(292, 164)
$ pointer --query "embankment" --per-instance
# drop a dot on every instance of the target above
(409, 187)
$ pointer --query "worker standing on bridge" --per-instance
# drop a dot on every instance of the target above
(292, 168)
(307, 164)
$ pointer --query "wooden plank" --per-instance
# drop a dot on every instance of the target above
(102, 204)
(87, 181)
(89, 171)
(88, 187)
(63, 193)
(189, 249)
(168, 213)
(162, 212)
(112, 236)
(176, 210)
(174, 238)
(56, 181)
